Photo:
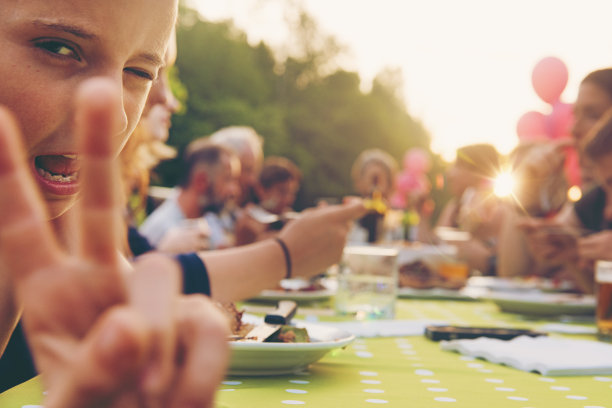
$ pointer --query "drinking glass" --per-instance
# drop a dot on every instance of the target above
(367, 282)
(603, 278)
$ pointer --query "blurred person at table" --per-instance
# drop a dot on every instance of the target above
(278, 184)
(521, 232)
(208, 170)
(473, 207)
(276, 188)
(373, 174)
(248, 145)
(569, 244)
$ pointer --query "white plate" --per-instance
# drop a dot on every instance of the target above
(312, 295)
(434, 293)
(292, 291)
(493, 283)
(544, 304)
(264, 359)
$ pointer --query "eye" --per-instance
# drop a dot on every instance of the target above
(146, 75)
(59, 49)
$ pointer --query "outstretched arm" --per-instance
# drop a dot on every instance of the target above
(314, 242)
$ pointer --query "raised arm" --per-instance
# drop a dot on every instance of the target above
(314, 242)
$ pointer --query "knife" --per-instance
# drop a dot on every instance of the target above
(273, 321)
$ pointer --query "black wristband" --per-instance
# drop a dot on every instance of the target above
(287, 256)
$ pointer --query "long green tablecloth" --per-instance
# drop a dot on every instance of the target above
(403, 372)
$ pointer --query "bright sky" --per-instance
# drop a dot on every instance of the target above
(466, 64)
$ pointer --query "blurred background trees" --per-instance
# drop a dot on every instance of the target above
(306, 107)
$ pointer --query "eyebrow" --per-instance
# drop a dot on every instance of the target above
(153, 59)
(67, 28)
(81, 33)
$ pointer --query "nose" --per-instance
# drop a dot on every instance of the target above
(161, 94)
(121, 117)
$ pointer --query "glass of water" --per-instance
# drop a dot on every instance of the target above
(367, 282)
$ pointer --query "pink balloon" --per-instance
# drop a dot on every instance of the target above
(549, 79)
(398, 201)
(405, 182)
(417, 160)
(559, 122)
(531, 126)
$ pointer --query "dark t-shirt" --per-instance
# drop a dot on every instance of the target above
(16, 364)
(590, 210)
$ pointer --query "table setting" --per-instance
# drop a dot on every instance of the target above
(367, 346)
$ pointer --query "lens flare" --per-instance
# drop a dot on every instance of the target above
(574, 194)
(503, 185)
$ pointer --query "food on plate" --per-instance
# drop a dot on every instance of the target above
(241, 330)
(418, 275)
(234, 319)
(290, 334)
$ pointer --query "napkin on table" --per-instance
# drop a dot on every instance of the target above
(546, 355)
(384, 328)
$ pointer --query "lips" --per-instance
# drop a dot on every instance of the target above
(57, 174)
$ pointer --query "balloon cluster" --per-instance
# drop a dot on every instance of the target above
(411, 183)
(549, 79)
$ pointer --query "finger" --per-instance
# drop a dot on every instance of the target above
(350, 210)
(203, 336)
(97, 102)
(107, 365)
(23, 224)
(152, 290)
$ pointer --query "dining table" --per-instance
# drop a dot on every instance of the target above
(402, 371)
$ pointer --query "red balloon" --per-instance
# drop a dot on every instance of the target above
(549, 79)
(531, 126)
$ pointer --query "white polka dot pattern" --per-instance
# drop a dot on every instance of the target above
(518, 398)
(294, 391)
(445, 399)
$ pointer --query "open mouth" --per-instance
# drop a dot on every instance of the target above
(58, 174)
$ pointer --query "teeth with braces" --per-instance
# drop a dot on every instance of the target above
(58, 177)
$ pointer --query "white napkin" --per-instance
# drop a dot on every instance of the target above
(567, 328)
(385, 328)
(546, 355)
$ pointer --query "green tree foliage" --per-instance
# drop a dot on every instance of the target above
(306, 108)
